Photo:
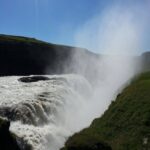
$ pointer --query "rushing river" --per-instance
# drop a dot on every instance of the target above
(44, 113)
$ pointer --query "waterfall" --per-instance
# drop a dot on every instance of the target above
(44, 113)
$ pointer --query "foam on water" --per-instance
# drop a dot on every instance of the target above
(45, 113)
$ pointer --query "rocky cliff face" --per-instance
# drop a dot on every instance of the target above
(8, 141)
(26, 56)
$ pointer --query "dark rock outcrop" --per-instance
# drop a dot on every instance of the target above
(7, 139)
(33, 79)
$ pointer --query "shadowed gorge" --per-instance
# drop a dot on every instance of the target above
(44, 109)
(26, 56)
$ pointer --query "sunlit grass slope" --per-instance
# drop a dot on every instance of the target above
(126, 123)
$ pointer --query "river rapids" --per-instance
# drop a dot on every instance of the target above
(44, 110)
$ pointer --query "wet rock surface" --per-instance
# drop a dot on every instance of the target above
(29, 79)
(8, 141)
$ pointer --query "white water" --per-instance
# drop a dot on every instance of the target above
(66, 96)
(52, 110)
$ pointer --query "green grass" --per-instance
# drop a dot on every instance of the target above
(12, 38)
(126, 122)
(27, 40)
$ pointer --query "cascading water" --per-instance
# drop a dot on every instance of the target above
(46, 112)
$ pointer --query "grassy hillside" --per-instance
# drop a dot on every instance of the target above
(126, 123)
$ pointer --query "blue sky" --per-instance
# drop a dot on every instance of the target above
(54, 21)
(46, 19)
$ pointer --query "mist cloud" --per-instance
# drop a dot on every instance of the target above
(117, 34)
(118, 29)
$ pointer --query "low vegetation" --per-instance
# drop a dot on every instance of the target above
(126, 123)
